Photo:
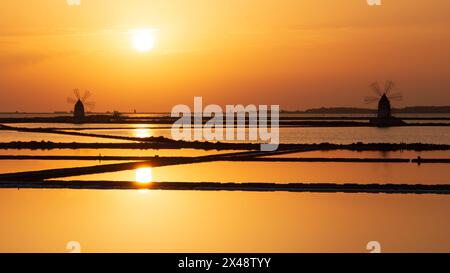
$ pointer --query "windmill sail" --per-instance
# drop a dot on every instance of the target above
(376, 88)
(388, 86)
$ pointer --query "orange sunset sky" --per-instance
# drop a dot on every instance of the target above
(296, 53)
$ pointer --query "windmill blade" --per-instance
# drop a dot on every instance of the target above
(389, 85)
(76, 92)
(86, 95)
(368, 100)
(376, 88)
(89, 105)
(396, 96)
(71, 100)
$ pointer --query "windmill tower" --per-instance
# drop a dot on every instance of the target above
(384, 107)
(78, 110)
(384, 98)
(80, 102)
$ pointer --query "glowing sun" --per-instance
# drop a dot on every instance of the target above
(143, 40)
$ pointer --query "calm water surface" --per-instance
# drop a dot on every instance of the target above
(173, 221)
(289, 172)
(340, 135)
(191, 221)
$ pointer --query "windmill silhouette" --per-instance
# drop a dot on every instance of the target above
(384, 98)
(80, 104)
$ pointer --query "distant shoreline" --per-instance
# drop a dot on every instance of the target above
(354, 110)
(321, 110)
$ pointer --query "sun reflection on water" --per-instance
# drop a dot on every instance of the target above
(144, 175)
(142, 133)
